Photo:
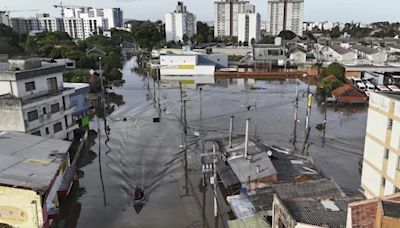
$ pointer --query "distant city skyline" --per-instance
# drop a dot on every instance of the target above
(315, 10)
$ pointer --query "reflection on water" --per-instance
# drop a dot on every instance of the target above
(140, 152)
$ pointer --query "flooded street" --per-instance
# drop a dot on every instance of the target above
(141, 152)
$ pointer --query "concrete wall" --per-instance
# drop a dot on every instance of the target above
(241, 51)
(377, 124)
(281, 214)
(11, 116)
(40, 84)
(370, 179)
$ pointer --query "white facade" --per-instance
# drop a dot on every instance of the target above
(178, 23)
(249, 27)
(51, 24)
(226, 17)
(276, 21)
(114, 16)
(25, 25)
(74, 27)
(33, 100)
(381, 164)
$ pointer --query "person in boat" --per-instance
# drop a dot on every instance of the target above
(139, 194)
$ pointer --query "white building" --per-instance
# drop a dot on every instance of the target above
(188, 63)
(179, 22)
(51, 24)
(249, 25)
(4, 18)
(381, 164)
(33, 99)
(114, 16)
(74, 27)
(226, 17)
(285, 15)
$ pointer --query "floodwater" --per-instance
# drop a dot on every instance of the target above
(140, 152)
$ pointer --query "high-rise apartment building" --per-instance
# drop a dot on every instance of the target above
(226, 17)
(249, 25)
(179, 22)
(381, 161)
(51, 24)
(25, 25)
(285, 15)
(74, 27)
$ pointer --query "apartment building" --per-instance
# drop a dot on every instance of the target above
(74, 27)
(33, 99)
(226, 17)
(25, 25)
(51, 24)
(179, 23)
(249, 25)
(381, 162)
(285, 15)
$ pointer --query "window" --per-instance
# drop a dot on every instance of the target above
(57, 127)
(52, 84)
(390, 124)
(47, 131)
(29, 86)
(44, 111)
(37, 133)
(383, 181)
(396, 190)
(398, 163)
(55, 108)
(33, 115)
(386, 154)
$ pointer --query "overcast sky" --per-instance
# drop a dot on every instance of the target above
(315, 10)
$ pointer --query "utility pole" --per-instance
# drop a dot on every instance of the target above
(181, 95)
(309, 103)
(184, 117)
(201, 103)
(296, 109)
(325, 117)
(246, 139)
(215, 182)
(154, 92)
(255, 119)
(230, 131)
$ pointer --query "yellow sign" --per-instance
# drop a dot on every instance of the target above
(309, 100)
(20, 208)
(186, 67)
(187, 82)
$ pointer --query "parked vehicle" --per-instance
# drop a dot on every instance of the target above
(394, 88)
(382, 88)
(361, 86)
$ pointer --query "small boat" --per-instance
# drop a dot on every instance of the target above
(139, 198)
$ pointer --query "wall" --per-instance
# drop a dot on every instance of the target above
(175, 60)
(40, 85)
(241, 51)
(281, 214)
(371, 181)
(17, 208)
(11, 117)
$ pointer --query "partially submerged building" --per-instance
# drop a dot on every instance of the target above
(34, 173)
(33, 99)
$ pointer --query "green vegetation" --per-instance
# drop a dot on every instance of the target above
(287, 35)
(9, 41)
(331, 78)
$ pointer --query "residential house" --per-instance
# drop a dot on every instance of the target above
(79, 99)
(298, 55)
(33, 99)
(347, 94)
(34, 173)
(378, 212)
(336, 53)
(373, 56)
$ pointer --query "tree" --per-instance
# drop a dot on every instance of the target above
(287, 35)
(253, 42)
(335, 32)
(335, 69)
(185, 38)
(240, 43)
(267, 40)
(246, 43)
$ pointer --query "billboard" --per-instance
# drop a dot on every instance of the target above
(20, 207)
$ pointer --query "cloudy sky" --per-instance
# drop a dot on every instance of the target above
(315, 10)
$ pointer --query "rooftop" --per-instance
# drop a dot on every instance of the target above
(340, 50)
(76, 86)
(245, 169)
(29, 161)
(253, 221)
(393, 95)
(241, 206)
(329, 213)
(364, 49)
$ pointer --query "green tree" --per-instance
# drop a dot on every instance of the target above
(335, 69)
(335, 32)
(185, 38)
(287, 35)
(253, 42)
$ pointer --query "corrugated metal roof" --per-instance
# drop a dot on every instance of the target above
(313, 212)
(241, 206)
(30, 161)
(253, 222)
